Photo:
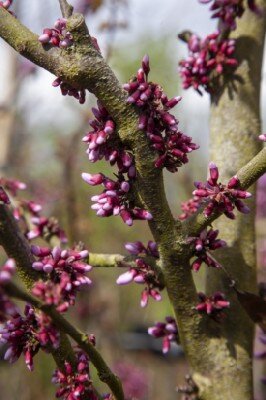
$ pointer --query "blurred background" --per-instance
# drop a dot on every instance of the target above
(40, 144)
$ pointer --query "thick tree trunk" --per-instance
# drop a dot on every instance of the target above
(235, 125)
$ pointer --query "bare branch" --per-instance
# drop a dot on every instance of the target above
(66, 8)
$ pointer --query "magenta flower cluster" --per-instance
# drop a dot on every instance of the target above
(7, 307)
(167, 330)
(155, 119)
(116, 198)
(208, 59)
(75, 383)
(142, 272)
(57, 36)
(37, 226)
(12, 185)
(27, 335)
(189, 207)
(68, 90)
(206, 241)
(66, 273)
(220, 197)
(229, 10)
(213, 305)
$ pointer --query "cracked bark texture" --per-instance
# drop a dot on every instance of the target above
(234, 127)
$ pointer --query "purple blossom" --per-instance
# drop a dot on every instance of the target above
(221, 198)
(57, 36)
(166, 330)
(229, 10)
(4, 196)
(65, 270)
(206, 241)
(212, 305)
(189, 207)
(103, 143)
(263, 137)
(68, 90)
(115, 199)
(45, 228)
(208, 59)
(7, 271)
(74, 384)
(27, 335)
(155, 119)
(12, 185)
(143, 273)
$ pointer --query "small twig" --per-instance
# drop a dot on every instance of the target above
(66, 8)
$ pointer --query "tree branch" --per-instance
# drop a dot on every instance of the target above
(66, 8)
(247, 176)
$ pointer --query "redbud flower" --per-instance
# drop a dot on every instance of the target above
(3, 196)
(263, 137)
(57, 36)
(12, 185)
(166, 330)
(115, 199)
(213, 305)
(75, 383)
(27, 335)
(155, 119)
(208, 59)
(68, 90)
(229, 10)
(66, 271)
(206, 241)
(222, 198)
(189, 207)
(143, 273)
(7, 271)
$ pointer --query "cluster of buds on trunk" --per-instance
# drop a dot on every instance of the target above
(155, 119)
(208, 60)
(206, 241)
(229, 10)
(221, 198)
(66, 273)
(142, 272)
(189, 207)
(213, 305)
(167, 330)
(68, 90)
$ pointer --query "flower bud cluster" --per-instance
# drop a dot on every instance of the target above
(102, 143)
(68, 90)
(28, 335)
(57, 36)
(222, 198)
(263, 137)
(75, 383)
(7, 307)
(166, 330)
(207, 240)
(142, 272)
(12, 185)
(229, 10)
(189, 207)
(213, 305)
(155, 119)
(115, 199)
(65, 271)
(38, 226)
(208, 59)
